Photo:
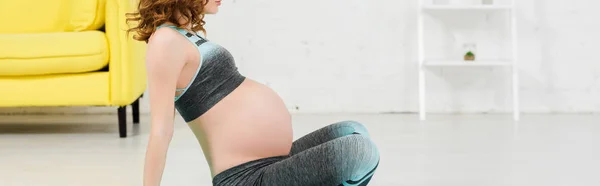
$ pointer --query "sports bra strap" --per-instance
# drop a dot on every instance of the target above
(190, 36)
(195, 40)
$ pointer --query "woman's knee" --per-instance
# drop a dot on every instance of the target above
(360, 158)
(354, 127)
(347, 160)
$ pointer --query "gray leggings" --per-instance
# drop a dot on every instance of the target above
(340, 154)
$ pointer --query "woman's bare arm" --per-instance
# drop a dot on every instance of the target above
(164, 61)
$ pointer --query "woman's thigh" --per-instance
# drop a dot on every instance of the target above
(328, 133)
(348, 160)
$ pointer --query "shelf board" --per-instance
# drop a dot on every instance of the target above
(467, 63)
(467, 7)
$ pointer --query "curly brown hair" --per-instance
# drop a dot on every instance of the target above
(153, 13)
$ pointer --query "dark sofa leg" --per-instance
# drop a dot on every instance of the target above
(122, 121)
(135, 108)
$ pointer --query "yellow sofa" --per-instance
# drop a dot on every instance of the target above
(70, 53)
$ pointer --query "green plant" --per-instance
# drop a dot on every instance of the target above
(470, 56)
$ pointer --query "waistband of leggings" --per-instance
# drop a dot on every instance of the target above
(254, 164)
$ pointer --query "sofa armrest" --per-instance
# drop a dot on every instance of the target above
(127, 56)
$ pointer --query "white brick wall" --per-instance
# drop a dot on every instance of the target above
(360, 56)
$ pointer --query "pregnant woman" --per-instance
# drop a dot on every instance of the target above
(243, 126)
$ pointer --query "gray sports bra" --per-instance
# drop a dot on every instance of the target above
(216, 77)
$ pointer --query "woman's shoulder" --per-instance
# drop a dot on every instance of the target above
(166, 44)
(166, 40)
(163, 35)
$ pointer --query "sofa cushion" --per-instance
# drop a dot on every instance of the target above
(38, 16)
(55, 90)
(52, 53)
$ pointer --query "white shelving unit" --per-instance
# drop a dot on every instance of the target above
(424, 8)
(466, 7)
(442, 63)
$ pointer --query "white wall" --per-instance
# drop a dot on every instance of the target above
(360, 56)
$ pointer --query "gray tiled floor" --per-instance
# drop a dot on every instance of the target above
(446, 150)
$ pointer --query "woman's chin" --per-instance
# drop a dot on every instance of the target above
(211, 11)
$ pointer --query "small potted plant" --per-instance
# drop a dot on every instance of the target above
(469, 56)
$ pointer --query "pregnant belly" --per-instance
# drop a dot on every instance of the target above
(250, 123)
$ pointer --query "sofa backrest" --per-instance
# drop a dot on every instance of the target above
(39, 16)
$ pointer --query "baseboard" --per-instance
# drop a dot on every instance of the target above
(64, 110)
(144, 109)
